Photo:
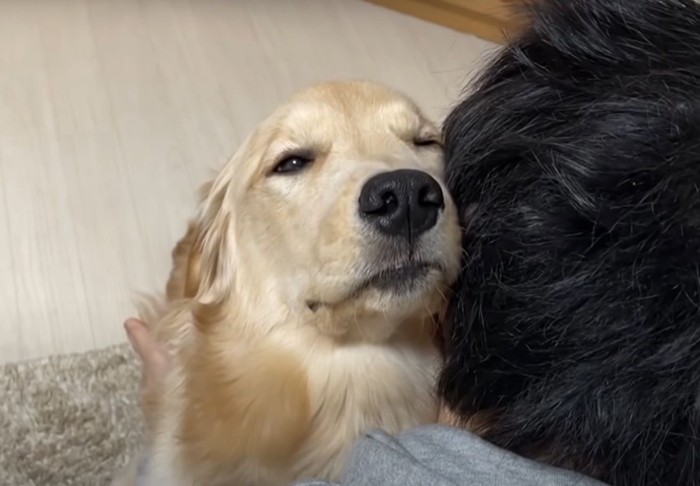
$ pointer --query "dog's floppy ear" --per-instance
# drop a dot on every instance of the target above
(210, 242)
(186, 276)
(211, 261)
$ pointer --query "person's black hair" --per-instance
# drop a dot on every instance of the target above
(575, 162)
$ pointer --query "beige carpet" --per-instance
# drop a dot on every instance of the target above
(68, 420)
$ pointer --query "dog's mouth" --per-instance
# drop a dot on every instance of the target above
(395, 277)
(399, 280)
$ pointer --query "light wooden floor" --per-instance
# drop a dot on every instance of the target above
(112, 112)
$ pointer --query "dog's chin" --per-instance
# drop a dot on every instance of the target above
(397, 288)
(402, 281)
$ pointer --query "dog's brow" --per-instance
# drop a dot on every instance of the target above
(404, 118)
(309, 112)
(289, 146)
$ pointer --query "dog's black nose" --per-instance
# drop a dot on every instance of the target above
(403, 203)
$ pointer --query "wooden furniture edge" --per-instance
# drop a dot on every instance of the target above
(490, 27)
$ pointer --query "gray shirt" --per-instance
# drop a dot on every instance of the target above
(444, 456)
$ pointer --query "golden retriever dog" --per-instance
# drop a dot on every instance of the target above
(300, 310)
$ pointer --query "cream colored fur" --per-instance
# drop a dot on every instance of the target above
(267, 387)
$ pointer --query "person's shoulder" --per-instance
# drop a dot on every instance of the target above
(444, 456)
(464, 458)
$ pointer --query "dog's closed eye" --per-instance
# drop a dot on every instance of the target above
(427, 142)
(292, 163)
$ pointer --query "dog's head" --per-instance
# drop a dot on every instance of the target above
(575, 329)
(333, 210)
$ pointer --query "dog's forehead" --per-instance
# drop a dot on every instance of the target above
(353, 104)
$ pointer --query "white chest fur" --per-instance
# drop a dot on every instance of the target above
(357, 388)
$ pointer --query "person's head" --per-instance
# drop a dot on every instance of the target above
(574, 332)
